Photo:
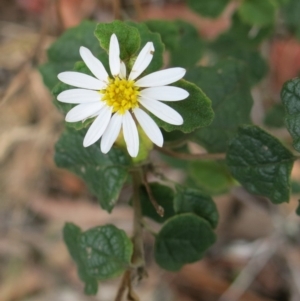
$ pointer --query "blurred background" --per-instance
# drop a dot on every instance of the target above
(257, 256)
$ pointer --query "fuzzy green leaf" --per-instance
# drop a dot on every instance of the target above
(128, 37)
(105, 251)
(196, 109)
(208, 8)
(103, 174)
(183, 239)
(226, 84)
(189, 200)
(164, 196)
(290, 96)
(257, 12)
(261, 163)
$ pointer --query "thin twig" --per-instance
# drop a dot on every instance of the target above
(159, 209)
(123, 286)
(117, 9)
(191, 157)
(138, 9)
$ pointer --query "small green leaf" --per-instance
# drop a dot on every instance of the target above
(183, 239)
(208, 8)
(148, 36)
(261, 163)
(105, 251)
(213, 177)
(290, 95)
(291, 16)
(168, 31)
(128, 37)
(164, 196)
(71, 234)
(195, 110)
(226, 84)
(189, 200)
(103, 174)
(275, 116)
(258, 12)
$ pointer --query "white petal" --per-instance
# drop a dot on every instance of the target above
(131, 135)
(79, 96)
(123, 70)
(81, 80)
(162, 111)
(93, 64)
(143, 60)
(98, 127)
(84, 111)
(166, 93)
(111, 133)
(149, 126)
(161, 78)
(114, 56)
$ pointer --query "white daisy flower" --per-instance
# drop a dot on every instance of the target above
(118, 102)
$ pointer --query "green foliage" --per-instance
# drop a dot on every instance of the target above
(275, 116)
(164, 196)
(195, 110)
(128, 37)
(211, 8)
(100, 253)
(183, 239)
(213, 177)
(192, 200)
(291, 16)
(64, 52)
(290, 96)
(103, 174)
(298, 208)
(227, 85)
(261, 163)
(257, 12)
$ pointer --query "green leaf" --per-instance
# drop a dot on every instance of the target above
(213, 177)
(105, 251)
(298, 209)
(168, 31)
(190, 46)
(64, 52)
(227, 85)
(148, 36)
(183, 239)
(211, 8)
(71, 234)
(290, 96)
(128, 37)
(103, 174)
(164, 196)
(291, 16)
(275, 116)
(196, 109)
(257, 12)
(261, 163)
(189, 200)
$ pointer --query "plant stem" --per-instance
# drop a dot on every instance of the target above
(191, 157)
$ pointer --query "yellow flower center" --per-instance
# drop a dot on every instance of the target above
(121, 94)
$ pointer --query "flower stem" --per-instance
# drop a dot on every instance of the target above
(191, 157)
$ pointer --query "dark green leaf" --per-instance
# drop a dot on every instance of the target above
(196, 109)
(291, 16)
(275, 116)
(213, 177)
(128, 37)
(148, 36)
(71, 235)
(183, 239)
(290, 95)
(164, 196)
(105, 251)
(103, 174)
(208, 8)
(261, 163)
(257, 12)
(226, 84)
(189, 200)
